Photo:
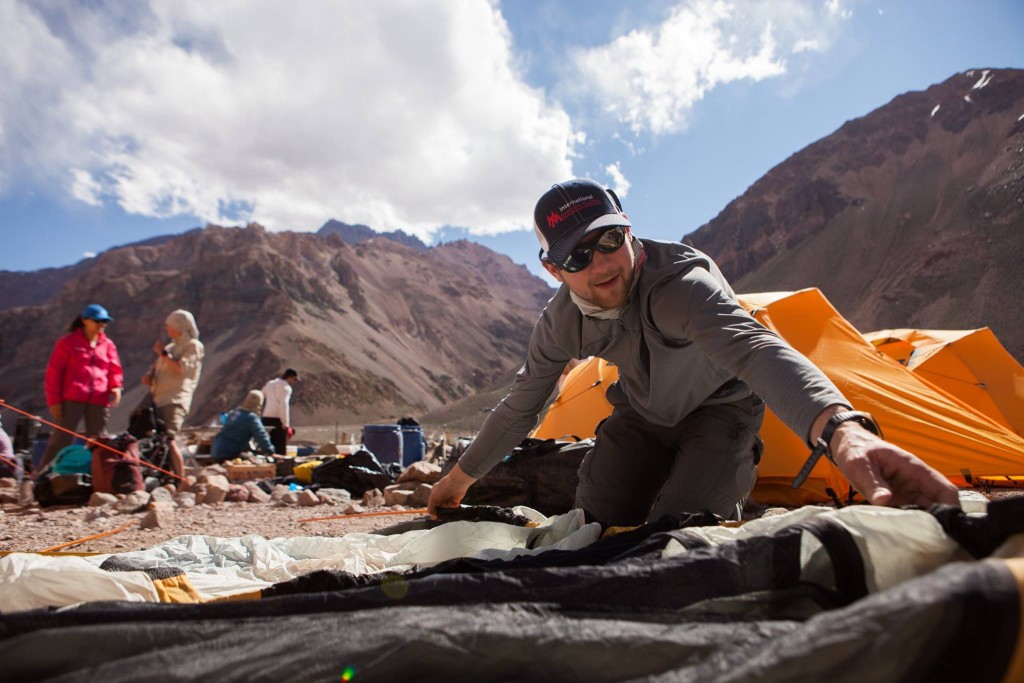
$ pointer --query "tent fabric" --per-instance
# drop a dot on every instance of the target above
(217, 568)
(969, 364)
(947, 433)
(794, 601)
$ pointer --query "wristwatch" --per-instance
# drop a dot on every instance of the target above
(824, 444)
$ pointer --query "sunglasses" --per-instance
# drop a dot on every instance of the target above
(579, 258)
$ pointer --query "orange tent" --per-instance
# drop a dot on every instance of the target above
(944, 431)
(970, 364)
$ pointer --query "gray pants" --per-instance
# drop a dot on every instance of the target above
(95, 423)
(638, 471)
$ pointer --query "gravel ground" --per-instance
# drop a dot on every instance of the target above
(33, 529)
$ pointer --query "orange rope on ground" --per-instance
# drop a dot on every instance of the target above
(420, 511)
(5, 404)
(89, 538)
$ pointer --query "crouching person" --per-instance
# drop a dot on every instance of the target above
(243, 424)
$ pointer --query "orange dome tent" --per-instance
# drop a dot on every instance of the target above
(915, 414)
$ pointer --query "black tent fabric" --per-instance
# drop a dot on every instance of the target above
(616, 610)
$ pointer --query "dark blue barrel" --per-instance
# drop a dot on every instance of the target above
(384, 441)
(414, 445)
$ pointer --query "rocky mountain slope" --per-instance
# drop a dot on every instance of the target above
(910, 216)
(376, 330)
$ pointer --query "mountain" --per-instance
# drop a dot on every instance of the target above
(356, 234)
(910, 216)
(376, 330)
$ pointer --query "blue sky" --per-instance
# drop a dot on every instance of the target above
(447, 118)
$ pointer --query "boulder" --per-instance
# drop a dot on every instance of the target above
(98, 499)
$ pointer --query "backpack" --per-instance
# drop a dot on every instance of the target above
(113, 472)
(538, 473)
(74, 459)
(50, 488)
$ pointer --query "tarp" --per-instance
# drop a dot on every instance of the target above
(861, 593)
(914, 413)
(969, 364)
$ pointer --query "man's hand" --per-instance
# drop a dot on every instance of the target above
(449, 491)
(57, 410)
(158, 347)
(115, 396)
(886, 474)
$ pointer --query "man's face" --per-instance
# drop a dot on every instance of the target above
(606, 281)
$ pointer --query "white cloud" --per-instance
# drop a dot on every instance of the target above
(651, 79)
(619, 182)
(394, 115)
(89, 254)
(85, 188)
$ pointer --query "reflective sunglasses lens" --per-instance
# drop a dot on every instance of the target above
(577, 260)
(610, 241)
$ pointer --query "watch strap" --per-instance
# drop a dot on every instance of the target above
(823, 445)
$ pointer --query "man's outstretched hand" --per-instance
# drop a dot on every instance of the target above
(885, 474)
(449, 491)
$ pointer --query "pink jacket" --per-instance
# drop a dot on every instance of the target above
(79, 372)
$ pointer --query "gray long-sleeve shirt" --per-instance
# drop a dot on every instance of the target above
(680, 341)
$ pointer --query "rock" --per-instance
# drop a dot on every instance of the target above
(398, 494)
(9, 496)
(212, 471)
(161, 495)
(98, 499)
(279, 492)
(355, 509)
(187, 483)
(256, 494)
(160, 516)
(133, 502)
(185, 499)
(290, 498)
(774, 512)
(421, 471)
(334, 496)
(199, 492)
(216, 489)
(8, 483)
(237, 493)
(170, 488)
(373, 498)
(421, 495)
(307, 498)
(100, 513)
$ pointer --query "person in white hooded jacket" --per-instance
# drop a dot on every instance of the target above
(174, 376)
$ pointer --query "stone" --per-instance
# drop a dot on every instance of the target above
(237, 493)
(133, 502)
(9, 496)
(355, 509)
(421, 471)
(307, 498)
(421, 495)
(373, 498)
(100, 513)
(256, 494)
(161, 495)
(160, 516)
(98, 499)
(216, 489)
(334, 496)
(279, 492)
(290, 498)
(8, 483)
(185, 499)
(397, 494)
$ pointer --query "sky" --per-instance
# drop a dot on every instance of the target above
(447, 119)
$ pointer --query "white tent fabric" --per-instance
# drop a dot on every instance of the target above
(221, 567)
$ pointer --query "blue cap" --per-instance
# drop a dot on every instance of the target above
(97, 313)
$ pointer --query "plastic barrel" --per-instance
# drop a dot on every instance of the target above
(414, 445)
(384, 441)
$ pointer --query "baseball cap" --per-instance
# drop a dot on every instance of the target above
(97, 313)
(569, 211)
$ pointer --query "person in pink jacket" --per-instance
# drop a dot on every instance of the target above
(83, 379)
